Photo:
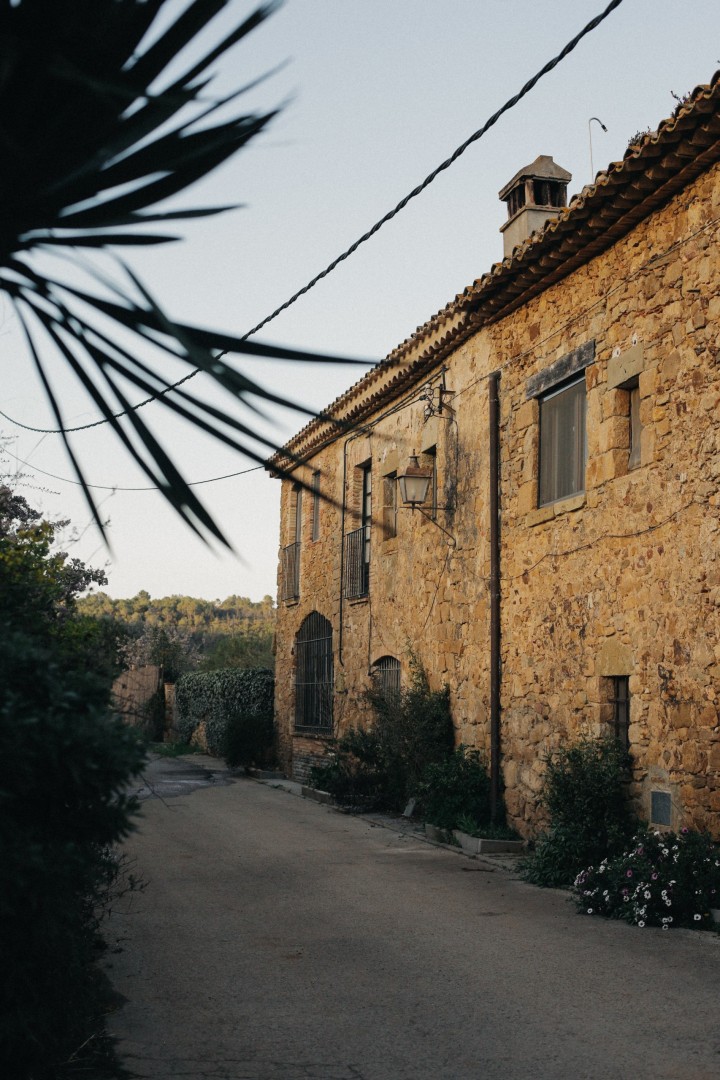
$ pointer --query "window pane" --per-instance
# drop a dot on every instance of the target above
(562, 443)
(635, 429)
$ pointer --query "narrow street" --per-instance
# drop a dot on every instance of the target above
(279, 939)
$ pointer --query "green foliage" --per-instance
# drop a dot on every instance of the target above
(355, 775)
(251, 648)
(662, 879)
(183, 633)
(384, 766)
(237, 708)
(590, 817)
(63, 802)
(173, 749)
(454, 789)
(490, 830)
(120, 128)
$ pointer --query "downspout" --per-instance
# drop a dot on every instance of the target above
(495, 661)
(342, 551)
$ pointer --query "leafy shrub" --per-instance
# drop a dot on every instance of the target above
(458, 787)
(384, 766)
(590, 817)
(663, 879)
(355, 775)
(63, 798)
(236, 706)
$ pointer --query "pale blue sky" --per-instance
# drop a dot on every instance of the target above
(376, 94)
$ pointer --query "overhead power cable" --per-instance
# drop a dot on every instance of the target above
(118, 487)
(509, 104)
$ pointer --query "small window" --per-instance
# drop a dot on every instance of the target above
(316, 506)
(386, 676)
(620, 702)
(297, 497)
(356, 572)
(563, 444)
(635, 426)
(366, 521)
(390, 506)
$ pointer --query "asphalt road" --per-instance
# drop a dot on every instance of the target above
(278, 939)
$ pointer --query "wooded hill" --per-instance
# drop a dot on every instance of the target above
(186, 633)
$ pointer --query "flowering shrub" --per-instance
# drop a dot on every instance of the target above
(664, 879)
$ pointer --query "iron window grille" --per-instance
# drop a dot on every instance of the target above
(314, 675)
(620, 702)
(356, 567)
(386, 676)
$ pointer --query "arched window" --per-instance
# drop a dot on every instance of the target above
(386, 674)
(314, 674)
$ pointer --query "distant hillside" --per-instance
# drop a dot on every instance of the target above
(184, 632)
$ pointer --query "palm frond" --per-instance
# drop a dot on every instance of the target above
(94, 135)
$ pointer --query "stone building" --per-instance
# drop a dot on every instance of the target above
(563, 573)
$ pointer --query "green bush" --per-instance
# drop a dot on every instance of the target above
(63, 799)
(384, 765)
(454, 789)
(63, 806)
(354, 775)
(237, 708)
(663, 879)
(590, 816)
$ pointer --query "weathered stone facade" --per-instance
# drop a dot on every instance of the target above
(620, 580)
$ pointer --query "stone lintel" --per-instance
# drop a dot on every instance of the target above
(624, 367)
(568, 365)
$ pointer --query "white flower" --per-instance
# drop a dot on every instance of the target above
(647, 895)
(589, 911)
(641, 923)
(666, 927)
(697, 918)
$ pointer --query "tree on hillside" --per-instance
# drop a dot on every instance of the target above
(180, 633)
(96, 136)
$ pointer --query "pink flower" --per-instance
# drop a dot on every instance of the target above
(628, 873)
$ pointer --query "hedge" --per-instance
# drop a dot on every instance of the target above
(236, 706)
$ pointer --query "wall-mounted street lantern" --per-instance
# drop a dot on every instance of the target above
(414, 483)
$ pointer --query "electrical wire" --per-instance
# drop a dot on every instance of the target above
(117, 487)
(476, 135)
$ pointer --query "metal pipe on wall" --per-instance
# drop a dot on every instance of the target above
(495, 660)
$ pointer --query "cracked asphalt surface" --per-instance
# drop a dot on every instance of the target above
(278, 939)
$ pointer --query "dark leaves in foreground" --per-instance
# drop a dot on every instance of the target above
(95, 135)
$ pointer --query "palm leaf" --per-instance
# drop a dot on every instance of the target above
(93, 137)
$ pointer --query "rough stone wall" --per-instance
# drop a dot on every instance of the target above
(621, 580)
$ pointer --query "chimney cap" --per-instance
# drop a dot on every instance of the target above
(542, 168)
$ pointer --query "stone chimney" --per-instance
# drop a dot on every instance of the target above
(533, 196)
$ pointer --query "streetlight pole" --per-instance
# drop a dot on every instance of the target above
(592, 169)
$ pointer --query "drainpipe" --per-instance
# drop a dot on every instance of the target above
(342, 551)
(495, 662)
